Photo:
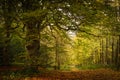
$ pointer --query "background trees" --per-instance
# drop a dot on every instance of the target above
(37, 32)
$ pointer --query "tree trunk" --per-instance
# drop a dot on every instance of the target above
(101, 53)
(113, 50)
(32, 43)
(6, 52)
(8, 11)
(106, 54)
(117, 53)
(57, 57)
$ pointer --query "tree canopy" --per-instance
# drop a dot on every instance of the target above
(60, 32)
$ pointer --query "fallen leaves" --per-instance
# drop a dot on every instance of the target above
(100, 74)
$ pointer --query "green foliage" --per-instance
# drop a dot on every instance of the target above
(19, 74)
(44, 26)
(28, 71)
(17, 45)
(16, 49)
(91, 66)
(34, 16)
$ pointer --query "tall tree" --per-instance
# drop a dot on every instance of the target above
(33, 17)
(8, 14)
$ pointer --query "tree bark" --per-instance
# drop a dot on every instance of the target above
(32, 43)
(57, 57)
(106, 55)
(6, 52)
(8, 15)
(113, 50)
(116, 54)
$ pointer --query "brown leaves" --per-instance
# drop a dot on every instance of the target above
(100, 74)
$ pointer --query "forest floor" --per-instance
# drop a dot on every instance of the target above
(97, 74)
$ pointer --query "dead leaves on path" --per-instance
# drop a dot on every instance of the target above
(101, 74)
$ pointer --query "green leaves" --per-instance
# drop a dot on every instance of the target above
(34, 16)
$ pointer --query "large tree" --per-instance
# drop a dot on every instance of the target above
(36, 15)
(8, 13)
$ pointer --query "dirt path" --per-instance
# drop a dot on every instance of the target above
(101, 74)
(75, 74)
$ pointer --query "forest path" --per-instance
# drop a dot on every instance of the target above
(100, 74)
